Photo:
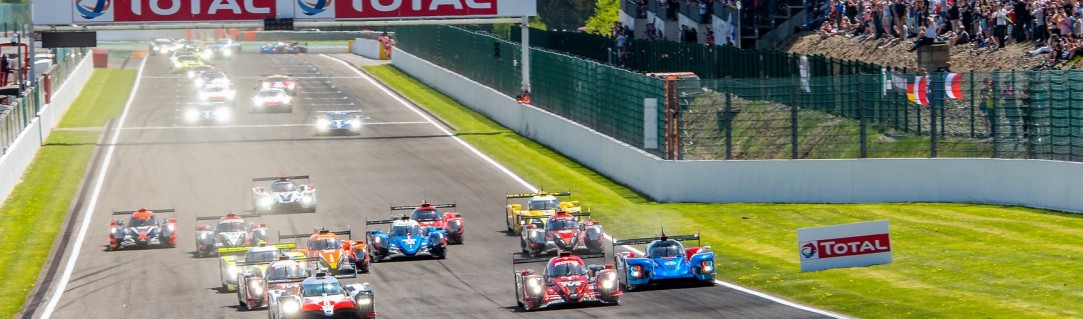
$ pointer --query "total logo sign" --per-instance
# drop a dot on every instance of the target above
(849, 245)
(171, 10)
(402, 9)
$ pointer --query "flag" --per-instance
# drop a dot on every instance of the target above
(953, 85)
(916, 93)
(805, 74)
(886, 80)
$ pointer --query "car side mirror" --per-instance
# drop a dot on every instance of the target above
(527, 272)
(531, 226)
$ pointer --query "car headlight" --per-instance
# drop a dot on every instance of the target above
(208, 52)
(290, 306)
(708, 267)
(222, 113)
(162, 50)
(191, 115)
(306, 199)
(232, 271)
(227, 52)
(534, 285)
(323, 123)
(607, 284)
(364, 301)
(355, 122)
(265, 201)
(203, 95)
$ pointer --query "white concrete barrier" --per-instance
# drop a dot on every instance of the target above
(366, 48)
(14, 162)
(1034, 183)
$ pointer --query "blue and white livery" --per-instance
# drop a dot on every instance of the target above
(666, 260)
(405, 239)
(339, 122)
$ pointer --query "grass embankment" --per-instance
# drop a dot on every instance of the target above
(32, 215)
(951, 260)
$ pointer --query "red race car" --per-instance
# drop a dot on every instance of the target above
(278, 81)
(566, 280)
(321, 296)
(143, 229)
(426, 215)
(561, 232)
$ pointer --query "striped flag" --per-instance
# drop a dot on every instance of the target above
(916, 92)
(953, 85)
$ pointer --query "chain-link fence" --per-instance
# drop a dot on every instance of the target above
(1021, 114)
(15, 116)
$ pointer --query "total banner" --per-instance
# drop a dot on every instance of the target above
(90, 12)
(848, 245)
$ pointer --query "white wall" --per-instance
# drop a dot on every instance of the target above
(22, 151)
(366, 48)
(1035, 183)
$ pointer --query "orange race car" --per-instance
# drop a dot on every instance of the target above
(336, 255)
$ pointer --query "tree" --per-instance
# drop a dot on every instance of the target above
(605, 14)
(564, 14)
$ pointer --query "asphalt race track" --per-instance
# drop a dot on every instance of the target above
(399, 158)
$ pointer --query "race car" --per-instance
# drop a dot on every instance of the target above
(666, 260)
(162, 46)
(206, 112)
(322, 296)
(566, 280)
(143, 229)
(541, 205)
(335, 255)
(223, 48)
(278, 81)
(283, 48)
(427, 216)
(284, 193)
(231, 231)
(562, 232)
(211, 77)
(338, 122)
(405, 239)
(197, 70)
(186, 62)
(231, 267)
(216, 93)
(273, 99)
(280, 277)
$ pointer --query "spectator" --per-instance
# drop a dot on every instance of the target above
(954, 17)
(960, 38)
(827, 30)
(929, 33)
(5, 70)
(704, 12)
(693, 35)
(1039, 22)
(709, 37)
(683, 34)
(999, 32)
(988, 106)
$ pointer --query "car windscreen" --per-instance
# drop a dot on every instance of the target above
(260, 256)
(413, 230)
(214, 89)
(562, 224)
(269, 93)
(211, 75)
(325, 243)
(567, 268)
(666, 249)
(140, 222)
(424, 215)
(231, 226)
(543, 204)
(162, 41)
(283, 272)
(320, 288)
(341, 117)
(283, 187)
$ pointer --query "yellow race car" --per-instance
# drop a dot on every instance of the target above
(256, 258)
(540, 206)
(185, 63)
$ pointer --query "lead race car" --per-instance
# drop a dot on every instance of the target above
(427, 215)
(566, 280)
(666, 260)
(207, 113)
(339, 122)
(562, 232)
(335, 255)
(541, 205)
(405, 239)
(143, 229)
(322, 296)
(284, 193)
(231, 231)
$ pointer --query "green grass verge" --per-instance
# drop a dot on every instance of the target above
(101, 93)
(31, 217)
(951, 260)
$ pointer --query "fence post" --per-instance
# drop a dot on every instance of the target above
(995, 118)
(972, 98)
(793, 121)
(729, 119)
(861, 116)
(932, 113)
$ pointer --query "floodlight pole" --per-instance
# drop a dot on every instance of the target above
(525, 45)
(30, 47)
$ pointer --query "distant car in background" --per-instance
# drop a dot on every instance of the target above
(339, 122)
(283, 48)
(162, 46)
(223, 48)
(204, 113)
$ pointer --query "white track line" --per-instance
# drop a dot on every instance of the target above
(535, 189)
(78, 246)
(253, 126)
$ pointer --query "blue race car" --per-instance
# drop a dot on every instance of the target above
(283, 48)
(405, 239)
(338, 122)
(666, 261)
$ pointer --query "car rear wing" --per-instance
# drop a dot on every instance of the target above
(275, 178)
(415, 207)
(340, 111)
(243, 249)
(641, 241)
(380, 221)
(348, 233)
(223, 216)
(529, 195)
(516, 261)
(156, 211)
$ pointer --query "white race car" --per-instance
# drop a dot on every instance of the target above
(284, 193)
(272, 99)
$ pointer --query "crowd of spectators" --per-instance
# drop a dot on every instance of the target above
(1054, 27)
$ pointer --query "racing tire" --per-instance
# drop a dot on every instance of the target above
(507, 221)
(440, 254)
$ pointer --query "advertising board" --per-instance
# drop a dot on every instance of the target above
(848, 245)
